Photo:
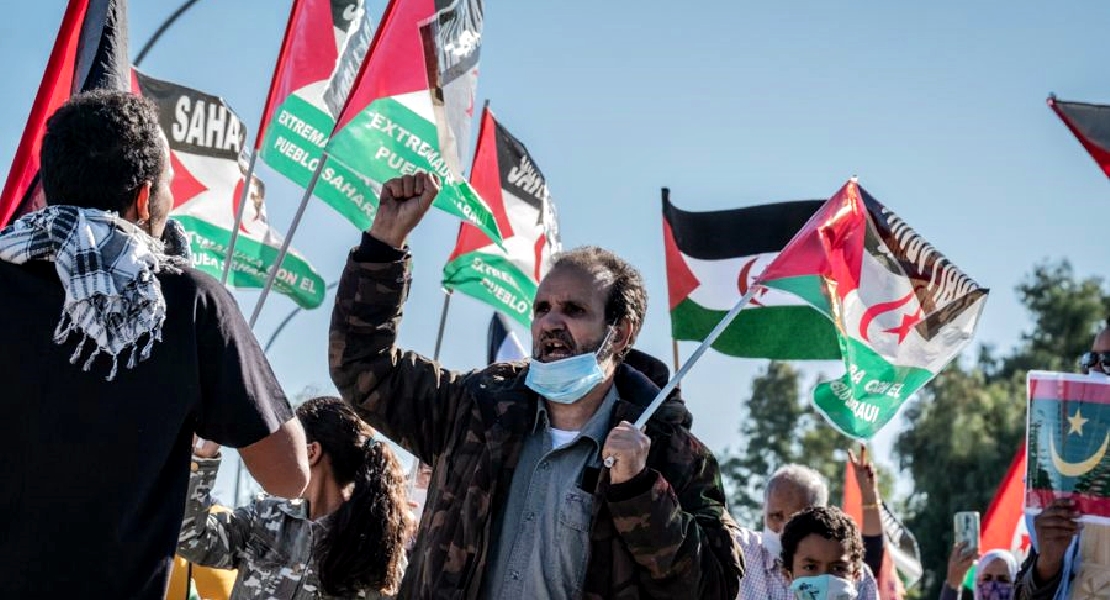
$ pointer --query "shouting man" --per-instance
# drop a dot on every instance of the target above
(520, 504)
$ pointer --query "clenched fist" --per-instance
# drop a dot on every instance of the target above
(625, 452)
(403, 203)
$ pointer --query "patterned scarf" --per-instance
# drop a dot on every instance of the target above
(107, 267)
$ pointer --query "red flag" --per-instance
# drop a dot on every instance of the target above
(1004, 523)
(308, 54)
(1090, 124)
(89, 53)
(890, 585)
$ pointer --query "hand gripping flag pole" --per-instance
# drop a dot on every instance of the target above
(673, 383)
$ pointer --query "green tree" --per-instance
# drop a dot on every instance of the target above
(1066, 311)
(782, 427)
(966, 425)
(768, 431)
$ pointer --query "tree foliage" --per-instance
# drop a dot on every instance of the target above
(965, 427)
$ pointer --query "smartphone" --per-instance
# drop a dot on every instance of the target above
(966, 526)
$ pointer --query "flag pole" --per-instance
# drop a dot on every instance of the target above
(674, 352)
(435, 357)
(288, 238)
(712, 337)
(239, 210)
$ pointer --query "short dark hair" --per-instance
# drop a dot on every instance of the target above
(828, 522)
(99, 148)
(627, 296)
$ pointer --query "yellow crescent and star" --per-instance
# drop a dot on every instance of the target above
(1077, 469)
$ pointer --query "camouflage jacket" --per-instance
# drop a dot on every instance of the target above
(270, 541)
(671, 537)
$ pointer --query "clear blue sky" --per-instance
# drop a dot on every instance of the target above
(938, 107)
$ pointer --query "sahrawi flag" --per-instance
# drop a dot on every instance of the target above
(206, 143)
(1090, 124)
(502, 345)
(900, 310)
(388, 127)
(297, 120)
(713, 257)
(89, 53)
(505, 277)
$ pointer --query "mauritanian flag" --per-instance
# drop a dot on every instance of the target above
(1090, 124)
(297, 120)
(1068, 436)
(89, 53)
(900, 310)
(206, 151)
(505, 277)
(388, 126)
(713, 257)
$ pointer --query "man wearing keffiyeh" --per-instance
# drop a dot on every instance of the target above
(114, 352)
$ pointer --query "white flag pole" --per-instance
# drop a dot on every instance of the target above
(288, 238)
(239, 217)
(712, 337)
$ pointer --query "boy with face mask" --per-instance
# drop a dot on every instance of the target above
(822, 554)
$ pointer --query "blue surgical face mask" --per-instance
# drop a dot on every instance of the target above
(567, 380)
(823, 587)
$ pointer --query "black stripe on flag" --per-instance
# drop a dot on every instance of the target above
(502, 345)
(1092, 121)
(722, 234)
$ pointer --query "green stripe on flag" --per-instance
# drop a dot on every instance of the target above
(774, 332)
(296, 279)
(293, 145)
(493, 279)
(870, 394)
(387, 139)
(808, 288)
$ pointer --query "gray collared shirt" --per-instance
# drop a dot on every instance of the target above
(543, 531)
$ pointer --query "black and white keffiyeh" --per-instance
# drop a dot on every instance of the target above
(107, 266)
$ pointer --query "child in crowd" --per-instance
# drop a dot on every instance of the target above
(822, 554)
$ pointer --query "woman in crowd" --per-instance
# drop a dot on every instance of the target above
(994, 577)
(343, 539)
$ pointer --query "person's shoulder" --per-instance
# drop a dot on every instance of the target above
(193, 285)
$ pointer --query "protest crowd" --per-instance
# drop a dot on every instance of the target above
(569, 471)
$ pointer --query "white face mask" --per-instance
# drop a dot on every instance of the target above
(772, 543)
(823, 587)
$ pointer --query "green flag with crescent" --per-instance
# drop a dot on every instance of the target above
(1068, 440)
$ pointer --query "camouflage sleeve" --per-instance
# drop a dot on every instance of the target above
(407, 397)
(682, 540)
(211, 535)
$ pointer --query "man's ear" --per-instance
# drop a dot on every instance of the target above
(142, 203)
(622, 337)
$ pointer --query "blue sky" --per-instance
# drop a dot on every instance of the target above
(938, 107)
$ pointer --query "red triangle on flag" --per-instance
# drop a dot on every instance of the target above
(485, 178)
(185, 186)
(680, 279)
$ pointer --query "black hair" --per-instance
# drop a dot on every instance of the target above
(99, 149)
(828, 522)
(363, 545)
(627, 297)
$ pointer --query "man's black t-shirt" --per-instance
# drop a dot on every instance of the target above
(93, 473)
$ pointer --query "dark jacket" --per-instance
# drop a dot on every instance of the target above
(664, 534)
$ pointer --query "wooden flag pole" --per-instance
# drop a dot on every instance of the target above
(288, 238)
(674, 352)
